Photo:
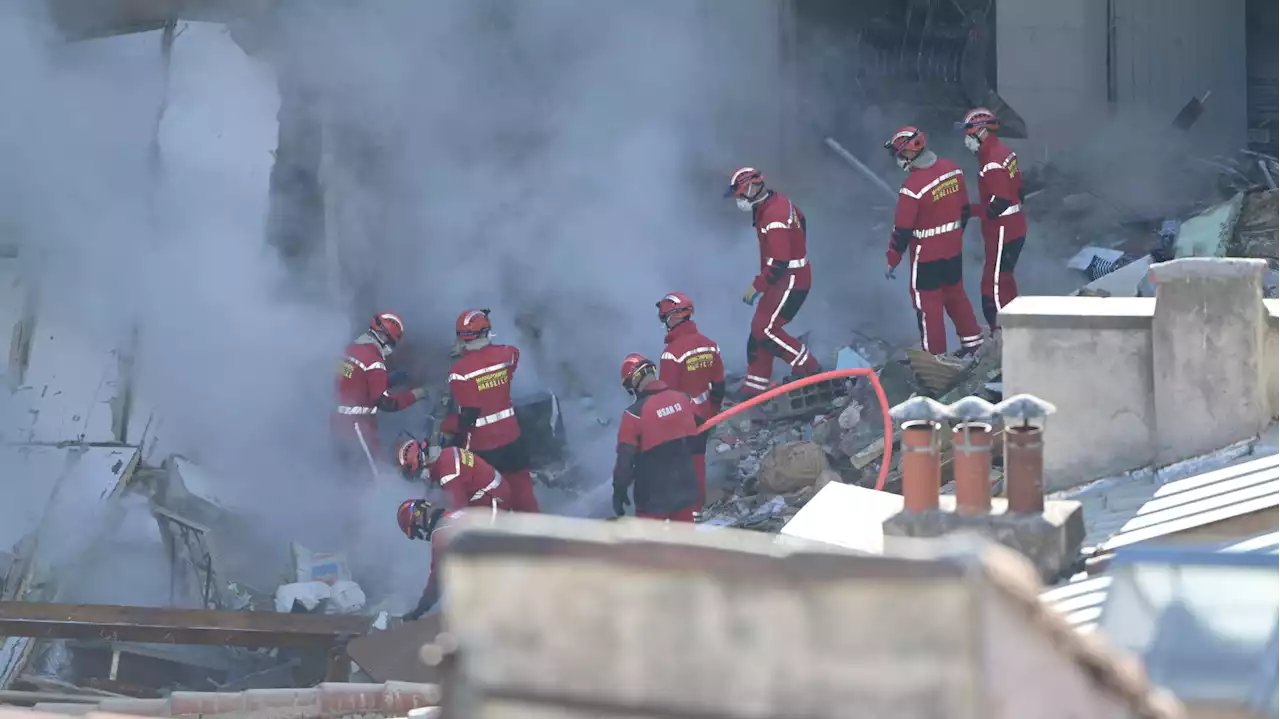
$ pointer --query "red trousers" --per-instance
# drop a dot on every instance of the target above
(998, 284)
(937, 291)
(777, 306)
(352, 436)
(512, 462)
(685, 515)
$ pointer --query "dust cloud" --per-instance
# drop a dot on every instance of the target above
(559, 162)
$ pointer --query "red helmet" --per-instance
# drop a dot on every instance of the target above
(388, 326)
(906, 140)
(414, 518)
(741, 179)
(977, 119)
(411, 457)
(472, 325)
(675, 305)
(635, 367)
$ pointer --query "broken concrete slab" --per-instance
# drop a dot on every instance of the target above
(847, 516)
(1051, 540)
(791, 467)
(1122, 282)
(1207, 234)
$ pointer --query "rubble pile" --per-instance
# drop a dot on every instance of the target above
(762, 469)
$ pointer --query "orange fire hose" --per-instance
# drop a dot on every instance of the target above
(814, 379)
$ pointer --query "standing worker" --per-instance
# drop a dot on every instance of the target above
(362, 389)
(485, 423)
(783, 282)
(1000, 195)
(928, 225)
(691, 364)
(466, 479)
(655, 447)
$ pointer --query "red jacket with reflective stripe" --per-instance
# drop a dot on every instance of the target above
(362, 382)
(1000, 176)
(480, 382)
(780, 227)
(468, 480)
(658, 432)
(933, 206)
(691, 364)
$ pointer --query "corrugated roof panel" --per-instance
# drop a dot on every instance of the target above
(69, 390)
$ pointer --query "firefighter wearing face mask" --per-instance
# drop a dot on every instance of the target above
(485, 423)
(691, 364)
(362, 390)
(928, 228)
(782, 284)
(1000, 195)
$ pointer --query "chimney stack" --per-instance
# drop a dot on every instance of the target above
(972, 421)
(1024, 418)
(921, 420)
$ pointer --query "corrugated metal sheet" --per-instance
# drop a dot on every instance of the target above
(1165, 52)
(1263, 45)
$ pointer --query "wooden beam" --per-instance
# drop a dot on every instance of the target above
(177, 626)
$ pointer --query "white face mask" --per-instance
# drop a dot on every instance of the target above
(903, 163)
(743, 204)
(972, 143)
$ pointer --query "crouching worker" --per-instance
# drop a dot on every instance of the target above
(465, 478)
(656, 443)
(419, 520)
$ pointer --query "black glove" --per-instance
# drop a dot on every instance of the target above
(414, 615)
(620, 500)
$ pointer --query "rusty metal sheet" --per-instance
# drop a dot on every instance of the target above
(176, 626)
(392, 655)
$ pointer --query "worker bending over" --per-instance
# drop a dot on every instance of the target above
(465, 478)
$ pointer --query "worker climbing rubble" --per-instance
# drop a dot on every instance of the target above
(485, 420)
(655, 447)
(362, 390)
(691, 364)
(928, 227)
(782, 284)
(418, 519)
(466, 479)
(1000, 195)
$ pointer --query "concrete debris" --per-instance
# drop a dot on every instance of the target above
(1207, 234)
(1257, 233)
(792, 467)
(850, 416)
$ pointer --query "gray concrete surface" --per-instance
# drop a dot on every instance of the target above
(1209, 368)
(1091, 357)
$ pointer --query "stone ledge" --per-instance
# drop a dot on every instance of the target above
(1208, 268)
(1083, 313)
(1051, 541)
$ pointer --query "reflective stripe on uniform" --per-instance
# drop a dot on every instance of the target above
(496, 417)
(932, 231)
(366, 367)
(497, 482)
(477, 373)
(755, 382)
(790, 264)
(343, 409)
(1013, 210)
(696, 350)
(702, 398)
(457, 469)
(941, 178)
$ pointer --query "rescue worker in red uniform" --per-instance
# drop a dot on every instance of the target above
(363, 392)
(485, 423)
(928, 227)
(655, 447)
(782, 284)
(419, 520)
(691, 364)
(1000, 195)
(466, 480)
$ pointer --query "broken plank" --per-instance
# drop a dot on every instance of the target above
(176, 626)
